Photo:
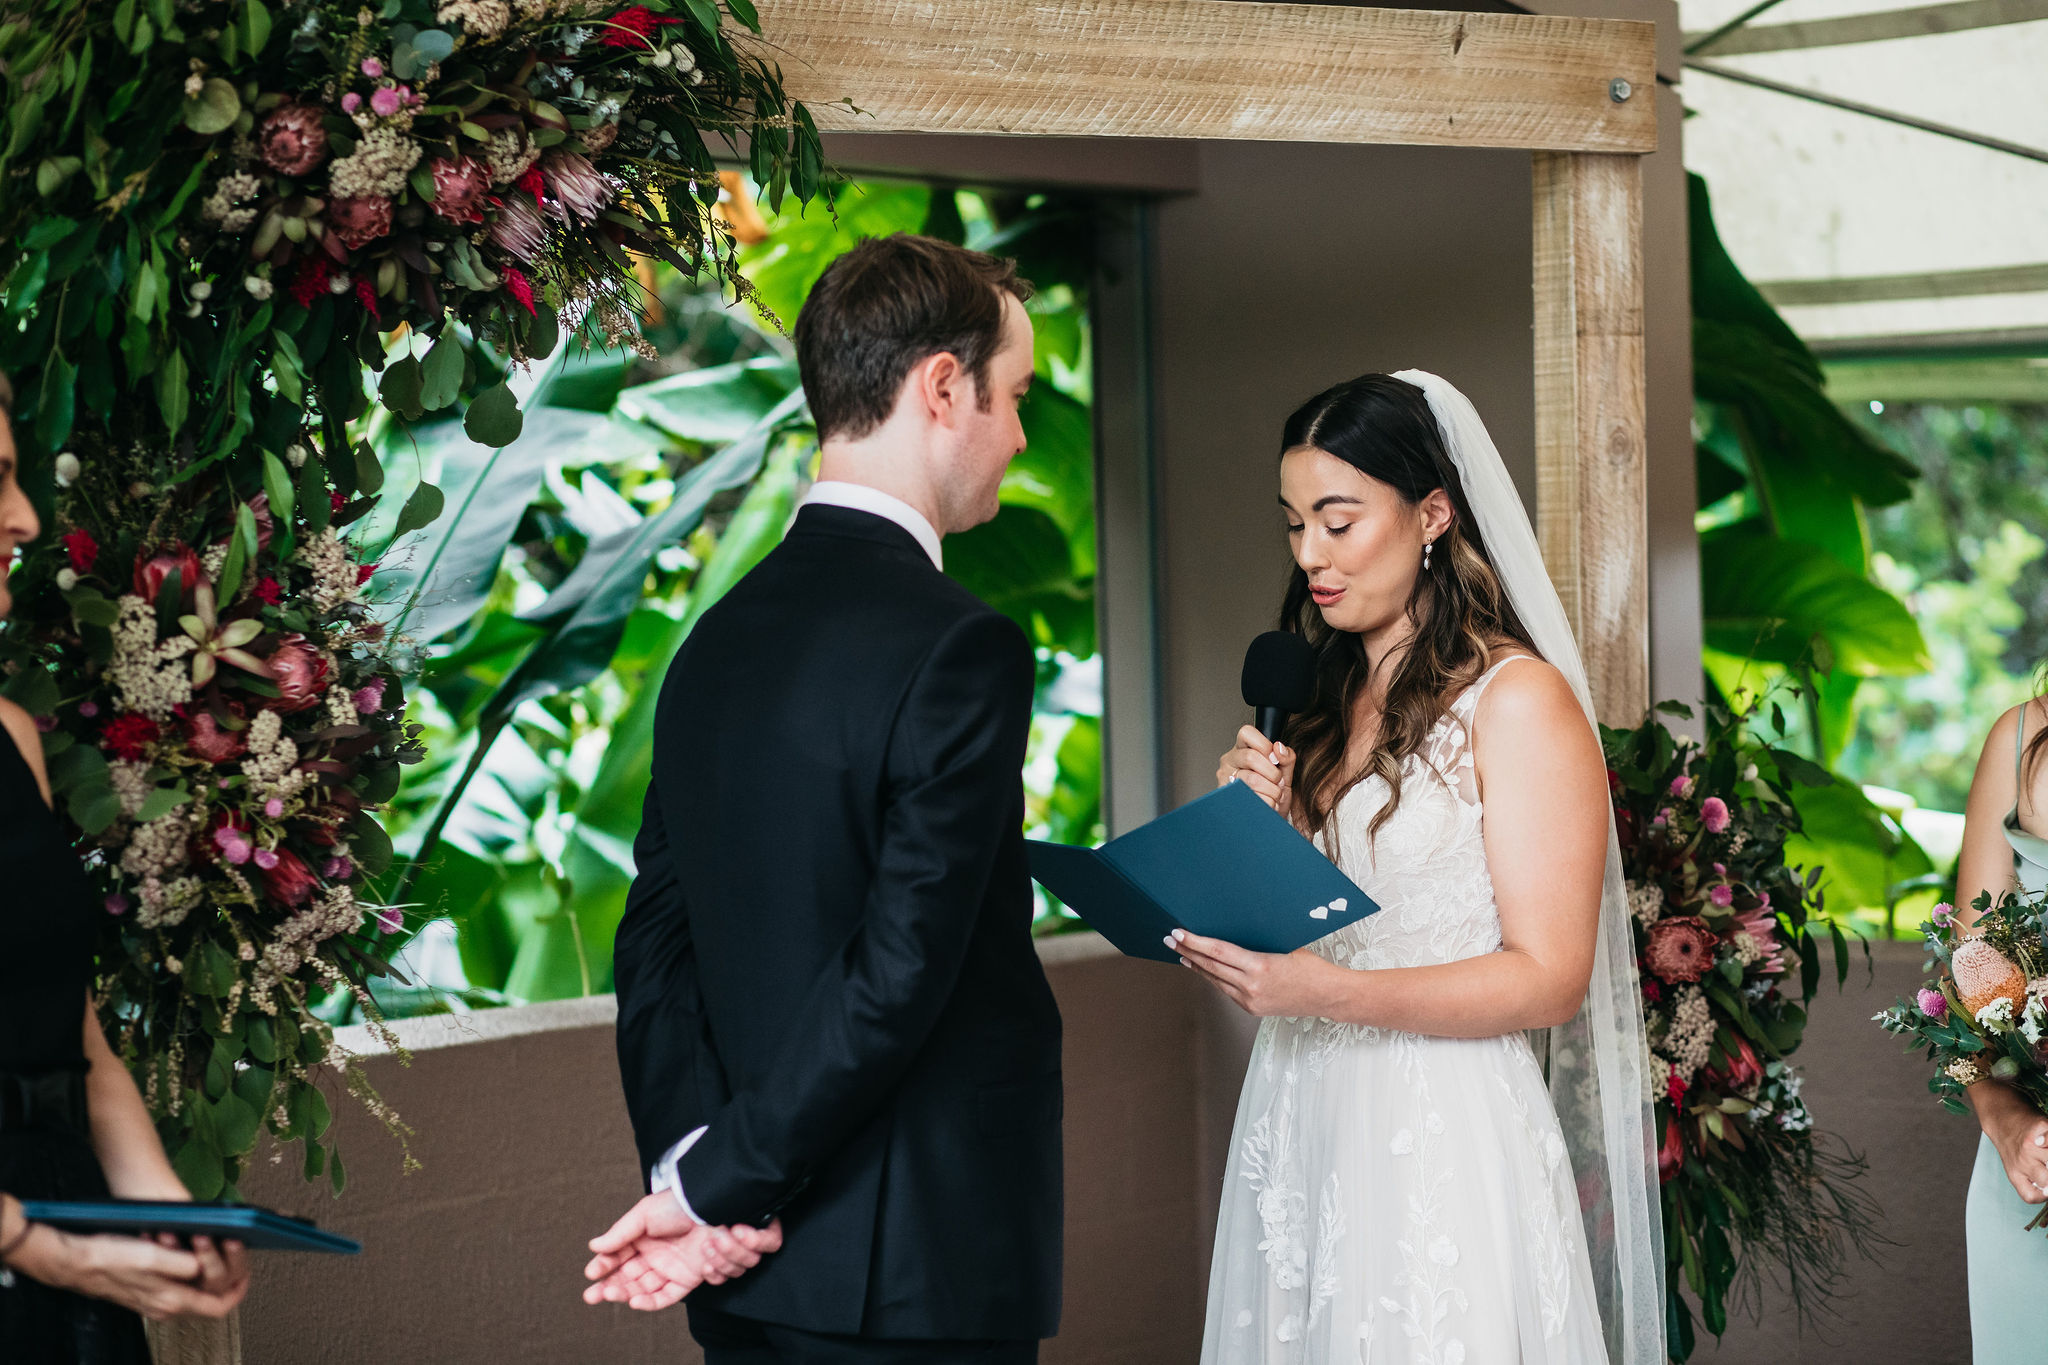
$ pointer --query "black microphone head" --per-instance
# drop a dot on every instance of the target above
(1280, 672)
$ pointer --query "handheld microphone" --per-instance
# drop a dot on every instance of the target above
(1279, 679)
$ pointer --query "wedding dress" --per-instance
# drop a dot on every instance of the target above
(1393, 1197)
(1397, 1199)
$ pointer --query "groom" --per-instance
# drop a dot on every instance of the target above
(833, 1030)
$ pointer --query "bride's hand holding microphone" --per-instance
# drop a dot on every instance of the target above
(1264, 765)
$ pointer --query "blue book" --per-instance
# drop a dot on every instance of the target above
(1224, 866)
(257, 1229)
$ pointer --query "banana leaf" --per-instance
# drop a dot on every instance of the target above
(1787, 602)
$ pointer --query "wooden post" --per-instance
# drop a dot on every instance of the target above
(1590, 424)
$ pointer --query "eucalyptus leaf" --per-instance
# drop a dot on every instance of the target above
(493, 418)
(214, 109)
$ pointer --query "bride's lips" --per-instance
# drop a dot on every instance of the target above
(1325, 597)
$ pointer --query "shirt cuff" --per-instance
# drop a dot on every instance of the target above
(663, 1176)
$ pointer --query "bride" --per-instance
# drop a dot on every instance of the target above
(1404, 1184)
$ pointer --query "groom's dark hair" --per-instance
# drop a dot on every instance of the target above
(887, 305)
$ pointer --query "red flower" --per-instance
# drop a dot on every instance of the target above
(127, 736)
(299, 672)
(335, 502)
(530, 180)
(152, 570)
(459, 189)
(1744, 1070)
(1681, 948)
(1671, 1155)
(268, 591)
(632, 27)
(366, 295)
(516, 285)
(359, 220)
(288, 880)
(1675, 1088)
(206, 737)
(311, 281)
(363, 573)
(82, 548)
(1652, 992)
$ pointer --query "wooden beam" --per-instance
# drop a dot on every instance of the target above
(1590, 421)
(1218, 69)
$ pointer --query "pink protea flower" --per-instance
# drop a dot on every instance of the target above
(517, 285)
(1933, 1004)
(207, 738)
(518, 229)
(291, 140)
(1762, 927)
(459, 189)
(359, 220)
(299, 673)
(576, 184)
(1680, 948)
(1714, 814)
(288, 880)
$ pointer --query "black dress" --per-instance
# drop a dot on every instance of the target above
(46, 929)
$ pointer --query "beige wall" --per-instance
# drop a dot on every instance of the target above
(523, 1136)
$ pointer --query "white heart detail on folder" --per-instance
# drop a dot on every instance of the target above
(1320, 912)
(1338, 904)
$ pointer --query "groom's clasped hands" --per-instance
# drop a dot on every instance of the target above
(656, 1254)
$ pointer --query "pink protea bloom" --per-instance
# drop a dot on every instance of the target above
(1762, 927)
(360, 219)
(459, 189)
(576, 184)
(518, 229)
(1933, 1004)
(1714, 814)
(291, 140)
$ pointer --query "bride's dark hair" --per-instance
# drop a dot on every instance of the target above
(1383, 427)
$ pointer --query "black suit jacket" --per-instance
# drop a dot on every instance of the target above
(826, 956)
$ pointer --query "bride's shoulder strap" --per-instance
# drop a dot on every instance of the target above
(1468, 700)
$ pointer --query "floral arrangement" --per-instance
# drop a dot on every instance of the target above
(215, 216)
(1727, 937)
(1983, 1015)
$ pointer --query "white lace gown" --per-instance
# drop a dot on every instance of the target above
(1391, 1198)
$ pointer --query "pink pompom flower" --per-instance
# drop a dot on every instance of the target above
(265, 859)
(1680, 785)
(1722, 895)
(386, 101)
(369, 698)
(372, 68)
(1933, 1004)
(1944, 915)
(1714, 814)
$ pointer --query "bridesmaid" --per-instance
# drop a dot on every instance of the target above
(2005, 848)
(72, 1125)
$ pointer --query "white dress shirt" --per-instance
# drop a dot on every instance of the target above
(861, 498)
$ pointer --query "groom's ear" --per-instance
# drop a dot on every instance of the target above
(940, 384)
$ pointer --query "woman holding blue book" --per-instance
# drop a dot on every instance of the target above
(72, 1124)
(1442, 1149)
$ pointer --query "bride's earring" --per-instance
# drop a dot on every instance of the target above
(1425, 554)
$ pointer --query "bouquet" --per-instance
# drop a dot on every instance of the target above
(215, 215)
(1983, 1015)
(1727, 937)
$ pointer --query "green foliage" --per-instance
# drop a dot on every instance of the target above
(580, 556)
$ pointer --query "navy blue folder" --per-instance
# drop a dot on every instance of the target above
(1222, 866)
(257, 1229)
